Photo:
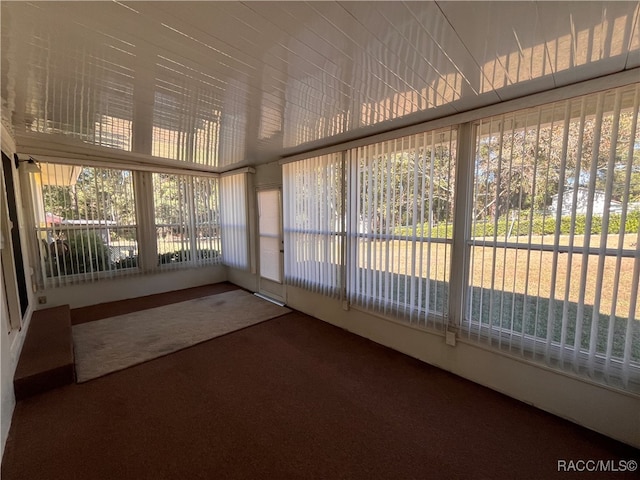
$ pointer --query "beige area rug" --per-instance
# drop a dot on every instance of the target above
(115, 343)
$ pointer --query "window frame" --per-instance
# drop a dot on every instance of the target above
(467, 125)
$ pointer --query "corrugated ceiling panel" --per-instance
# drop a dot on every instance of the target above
(219, 84)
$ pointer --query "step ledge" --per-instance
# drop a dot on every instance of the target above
(46, 361)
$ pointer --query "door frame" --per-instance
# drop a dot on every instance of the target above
(14, 284)
(267, 287)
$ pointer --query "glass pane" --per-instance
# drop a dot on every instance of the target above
(85, 221)
(270, 258)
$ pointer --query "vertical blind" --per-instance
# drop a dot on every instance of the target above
(553, 237)
(233, 220)
(400, 229)
(314, 223)
(86, 227)
(554, 242)
(85, 223)
(186, 220)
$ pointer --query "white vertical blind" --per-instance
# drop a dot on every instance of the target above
(233, 220)
(314, 223)
(86, 229)
(555, 256)
(400, 231)
(170, 196)
(186, 220)
(85, 223)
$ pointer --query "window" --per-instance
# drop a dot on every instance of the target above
(314, 223)
(551, 240)
(235, 250)
(399, 195)
(554, 237)
(85, 222)
(186, 220)
(401, 227)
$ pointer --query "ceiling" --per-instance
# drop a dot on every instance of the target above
(228, 84)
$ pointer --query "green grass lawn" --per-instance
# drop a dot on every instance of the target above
(529, 315)
(516, 313)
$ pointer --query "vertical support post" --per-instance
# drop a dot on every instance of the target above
(463, 205)
(344, 222)
(147, 245)
(142, 142)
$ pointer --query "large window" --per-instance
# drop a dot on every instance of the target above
(186, 219)
(314, 223)
(85, 222)
(554, 239)
(547, 251)
(398, 229)
(401, 226)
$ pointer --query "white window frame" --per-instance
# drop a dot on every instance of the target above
(408, 307)
(185, 202)
(604, 368)
(314, 224)
(461, 248)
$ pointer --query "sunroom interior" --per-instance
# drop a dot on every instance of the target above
(458, 181)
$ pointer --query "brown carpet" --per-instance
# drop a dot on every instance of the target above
(292, 397)
(119, 342)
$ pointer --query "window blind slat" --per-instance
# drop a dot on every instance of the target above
(401, 260)
(557, 183)
(233, 220)
(313, 224)
(84, 223)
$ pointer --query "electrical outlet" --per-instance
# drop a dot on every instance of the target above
(42, 300)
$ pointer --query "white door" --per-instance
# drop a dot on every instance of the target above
(271, 249)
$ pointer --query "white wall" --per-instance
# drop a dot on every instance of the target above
(268, 175)
(11, 343)
(608, 411)
(130, 287)
(6, 385)
(10, 348)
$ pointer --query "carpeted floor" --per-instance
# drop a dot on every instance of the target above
(291, 397)
(114, 343)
